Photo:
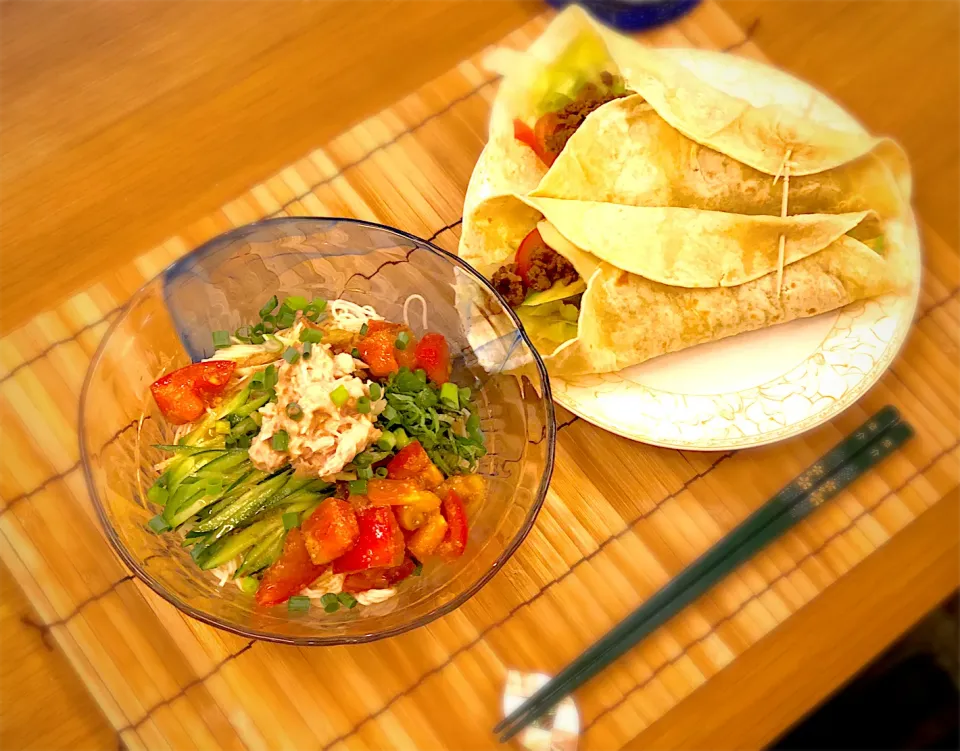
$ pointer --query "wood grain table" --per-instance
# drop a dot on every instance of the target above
(122, 123)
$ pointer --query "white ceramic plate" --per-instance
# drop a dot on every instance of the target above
(765, 385)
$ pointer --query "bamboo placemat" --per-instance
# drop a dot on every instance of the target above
(621, 518)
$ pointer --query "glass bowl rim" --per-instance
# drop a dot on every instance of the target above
(310, 641)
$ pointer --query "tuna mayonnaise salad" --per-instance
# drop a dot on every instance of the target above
(321, 456)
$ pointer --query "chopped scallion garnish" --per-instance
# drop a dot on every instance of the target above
(270, 376)
(347, 600)
(381, 472)
(375, 391)
(358, 487)
(330, 602)
(221, 339)
(401, 437)
(339, 396)
(158, 524)
(291, 355)
(314, 336)
(364, 329)
(298, 604)
(450, 395)
(319, 303)
(249, 585)
(294, 412)
(386, 441)
(307, 350)
(363, 405)
(355, 353)
(364, 473)
(280, 440)
(295, 302)
(403, 339)
(269, 307)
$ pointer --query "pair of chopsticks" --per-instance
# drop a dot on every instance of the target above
(868, 445)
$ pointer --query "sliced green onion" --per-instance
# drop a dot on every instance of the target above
(364, 473)
(311, 313)
(291, 519)
(375, 391)
(221, 427)
(401, 437)
(319, 303)
(285, 318)
(307, 350)
(364, 329)
(418, 569)
(358, 487)
(389, 413)
(330, 602)
(363, 405)
(407, 382)
(381, 472)
(355, 353)
(157, 493)
(256, 379)
(298, 604)
(280, 440)
(386, 441)
(221, 339)
(473, 423)
(291, 355)
(158, 524)
(296, 302)
(270, 376)
(421, 375)
(347, 600)
(403, 339)
(340, 396)
(249, 585)
(465, 395)
(294, 412)
(450, 395)
(314, 336)
(269, 307)
(257, 418)
(242, 333)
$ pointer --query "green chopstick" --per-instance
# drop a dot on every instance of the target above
(864, 448)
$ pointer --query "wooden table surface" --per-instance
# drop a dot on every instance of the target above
(122, 122)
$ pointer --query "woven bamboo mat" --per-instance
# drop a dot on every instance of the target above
(621, 518)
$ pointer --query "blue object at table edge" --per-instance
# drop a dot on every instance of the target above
(633, 15)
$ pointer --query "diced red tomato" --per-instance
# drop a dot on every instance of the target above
(292, 572)
(431, 477)
(379, 545)
(409, 462)
(410, 517)
(455, 540)
(184, 394)
(525, 254)
(330, 531)
(424, 542)
(526, 135)
(471, 488)
(433, 355)
(379, 351)
(388, 492)
(545, 127)
(378, 578)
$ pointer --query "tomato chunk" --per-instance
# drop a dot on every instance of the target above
(425, 541)
(184, 394)
(378, 578)
(378, 348)
(433, 355)
(292, 572)
(525, 254)
(526, 135)
(455, 540)
(409, 462)
(388, 492)
(330, 531)
(380, 543)
(543, 129)
(471, 488)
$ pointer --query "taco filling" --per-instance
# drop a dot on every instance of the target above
(554, 128)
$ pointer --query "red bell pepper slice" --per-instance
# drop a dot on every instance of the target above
(433, 355)
(184, 394)
(378, 578)
(379, 545)
(455, 540)
(292, 571)
(330, 531)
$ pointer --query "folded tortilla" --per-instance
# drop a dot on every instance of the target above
(670, 203)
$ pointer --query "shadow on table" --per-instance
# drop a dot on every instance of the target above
(907, 699)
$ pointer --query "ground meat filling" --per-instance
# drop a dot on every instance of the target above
(508, 283)
(546, 267)
(571, 116)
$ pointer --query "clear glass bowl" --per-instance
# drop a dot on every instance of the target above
(222, 285)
